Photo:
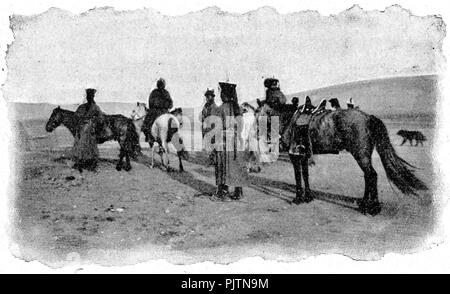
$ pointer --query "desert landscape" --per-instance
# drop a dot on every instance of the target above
(112, 217)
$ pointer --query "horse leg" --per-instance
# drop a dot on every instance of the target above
(121, 155)
(305, 174)
(180, 164)
(369, 204)
(127, 161)
(295, 159)
(152, 154)
(404, 141)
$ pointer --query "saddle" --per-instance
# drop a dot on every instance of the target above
(298, 133)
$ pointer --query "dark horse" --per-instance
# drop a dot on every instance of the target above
(359, 134)
(123, 131)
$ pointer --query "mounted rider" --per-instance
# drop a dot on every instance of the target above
(159, 102)
(274, 97)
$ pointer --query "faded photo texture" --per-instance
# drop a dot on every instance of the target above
(389, 62)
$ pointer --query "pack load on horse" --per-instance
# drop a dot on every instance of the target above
(159, 102)
(209, 107)
(297, 136)
(350, 104)
(335, 105)
(344, 129)
(89, 127)
(230, 167)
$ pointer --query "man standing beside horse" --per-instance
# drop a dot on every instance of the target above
(93, 128)
(159, 103)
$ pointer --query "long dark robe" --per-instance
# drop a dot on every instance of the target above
(85, 150)
(230, 164)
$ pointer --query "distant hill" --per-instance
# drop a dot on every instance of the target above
(412, 96)
(397, 96)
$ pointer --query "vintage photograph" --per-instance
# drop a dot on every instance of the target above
(216, 136)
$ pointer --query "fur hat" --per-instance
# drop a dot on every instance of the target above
(209, 92)
(161, 83)
(90, 92)
(228, 92)
(269, 82)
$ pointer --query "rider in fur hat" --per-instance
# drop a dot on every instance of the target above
(159, 103)
(274, 96)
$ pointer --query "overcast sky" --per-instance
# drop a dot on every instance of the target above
(57, 54)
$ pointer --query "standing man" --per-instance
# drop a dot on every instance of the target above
(230, 168)
(92, 129)
(159, 103)
(209, 107)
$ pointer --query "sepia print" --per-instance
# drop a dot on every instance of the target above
(215, 136)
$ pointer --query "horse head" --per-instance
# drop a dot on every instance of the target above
(178, 113)
(139, 112)
(247, 108)
(55, 119)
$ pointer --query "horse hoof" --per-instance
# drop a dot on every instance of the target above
(308, 197)
(369, 207)
(127, 168)
(298, 200)
(118, 168)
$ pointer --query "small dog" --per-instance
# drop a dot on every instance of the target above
(410, 136)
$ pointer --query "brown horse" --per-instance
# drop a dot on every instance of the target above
(359, 134)
(123, 131)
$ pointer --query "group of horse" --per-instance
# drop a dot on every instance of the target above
(330, 131)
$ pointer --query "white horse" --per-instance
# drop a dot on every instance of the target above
(249, 136)
(137, 115)
(165, 132)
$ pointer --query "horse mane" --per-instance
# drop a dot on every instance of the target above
(246, 104)
(176, 111)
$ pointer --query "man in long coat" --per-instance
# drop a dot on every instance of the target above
(159, 102)
(209, 107)
(230, 167)
(92, 129)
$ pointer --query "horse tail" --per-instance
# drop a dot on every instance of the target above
(398, 170)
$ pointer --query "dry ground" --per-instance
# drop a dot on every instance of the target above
(115, 217)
